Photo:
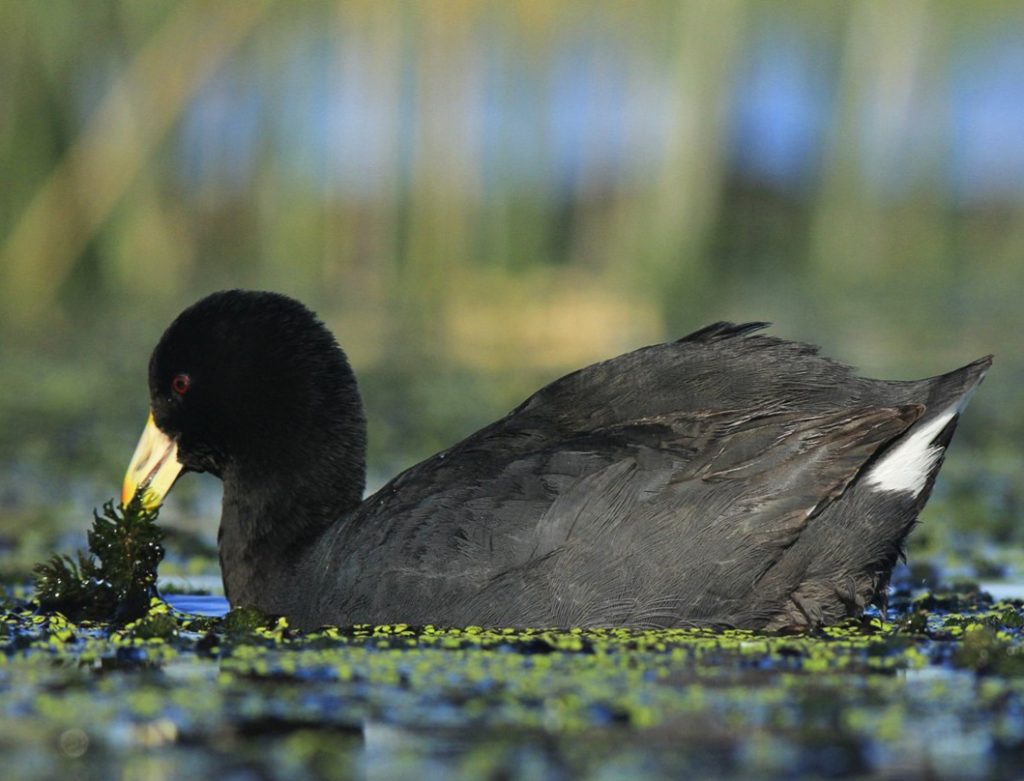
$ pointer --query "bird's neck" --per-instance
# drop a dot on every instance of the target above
(270, 523)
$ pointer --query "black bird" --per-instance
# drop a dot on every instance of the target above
(727, 479)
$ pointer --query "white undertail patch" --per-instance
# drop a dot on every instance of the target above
(907, 466)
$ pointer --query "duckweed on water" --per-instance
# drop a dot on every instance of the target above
(931, 694)
(117, 683)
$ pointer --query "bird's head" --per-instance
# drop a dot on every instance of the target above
(249, 386)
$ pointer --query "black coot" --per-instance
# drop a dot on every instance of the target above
(725, 479)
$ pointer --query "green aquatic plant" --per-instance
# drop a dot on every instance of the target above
(244, 621)
(116, 579)
(862, 699)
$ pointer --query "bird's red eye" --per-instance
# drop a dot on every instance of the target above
(180, 384)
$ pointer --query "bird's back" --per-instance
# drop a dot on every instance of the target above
(728, 478)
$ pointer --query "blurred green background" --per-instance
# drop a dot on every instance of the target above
(480, 196)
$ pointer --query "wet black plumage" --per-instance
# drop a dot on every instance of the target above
(728, 479)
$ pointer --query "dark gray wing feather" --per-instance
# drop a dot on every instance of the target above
(686, 483)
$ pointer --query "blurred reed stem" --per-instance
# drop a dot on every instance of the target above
(425, 160)
(81, 192)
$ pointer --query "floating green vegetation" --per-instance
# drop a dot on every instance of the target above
(116, 579)
(98, 668)
(933, 693)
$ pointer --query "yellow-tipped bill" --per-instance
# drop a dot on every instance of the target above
(153, 469)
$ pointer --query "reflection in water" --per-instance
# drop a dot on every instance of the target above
(1003, 590)
(200, 605)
